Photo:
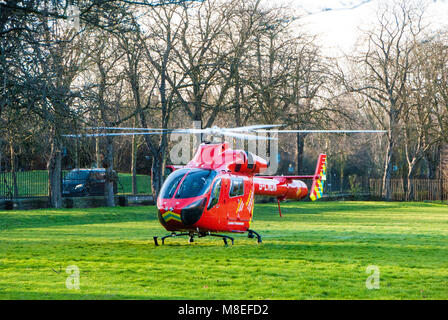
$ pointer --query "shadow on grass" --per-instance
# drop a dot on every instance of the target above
(269, 212)
(394, 250)
(329, 206)
(324, 253)
(79, 295)
(9, 221)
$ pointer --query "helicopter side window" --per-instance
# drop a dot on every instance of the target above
(214, 196)
(237, 188)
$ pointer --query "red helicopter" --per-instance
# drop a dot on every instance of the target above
(215, 192)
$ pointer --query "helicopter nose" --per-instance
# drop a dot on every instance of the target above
(193, 212)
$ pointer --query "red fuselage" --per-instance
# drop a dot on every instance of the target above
(215, 191)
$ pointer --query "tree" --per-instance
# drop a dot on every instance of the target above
(307, 106)
(105, 96)
(201, 54)
(386, 68)
(157, 46)
(63, 64)
(40, 61)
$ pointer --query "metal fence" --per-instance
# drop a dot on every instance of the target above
(423, 189)
(125, 184)
(29, 184)
(351, 184)
(23, 184)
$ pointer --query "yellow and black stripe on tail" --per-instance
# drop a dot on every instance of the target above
(317, 189)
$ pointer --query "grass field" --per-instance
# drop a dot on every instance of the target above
(316, 251)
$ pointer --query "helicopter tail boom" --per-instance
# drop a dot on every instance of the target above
(280, 187)
(290, 187)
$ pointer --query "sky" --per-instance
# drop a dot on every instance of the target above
(338, 22)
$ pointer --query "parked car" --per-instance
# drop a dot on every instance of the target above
(85, 182)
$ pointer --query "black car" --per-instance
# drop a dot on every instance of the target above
(85, 182)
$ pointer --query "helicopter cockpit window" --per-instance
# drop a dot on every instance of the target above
(237, 188)
(196, 183)
(171, 183)
(214, 196)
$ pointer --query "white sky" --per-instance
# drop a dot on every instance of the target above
(337, 22)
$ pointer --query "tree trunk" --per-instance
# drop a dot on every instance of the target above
(76, 162)
(13, 170)
(388, 168)
(198, 137)
(97, 152)
(300, 150)
(341, 178)
(432, 160)
(1, 156)
(110, 175)
(157, 170)
(387, 173)
(54, 167)
(134, 164)
(237, 99)
(410, 186)
(342, 172)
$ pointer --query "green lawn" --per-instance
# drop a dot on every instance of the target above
(316, 251)
(125, 183)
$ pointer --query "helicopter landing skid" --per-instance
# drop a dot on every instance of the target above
(192, 235)
(172, 235)
(252, 234)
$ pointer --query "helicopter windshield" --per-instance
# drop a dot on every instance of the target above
(196, 183)
(171, 183)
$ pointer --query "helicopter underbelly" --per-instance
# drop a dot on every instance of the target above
(206, 224)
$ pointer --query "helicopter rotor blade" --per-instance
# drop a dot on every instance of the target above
(224, 132)
(213, 130)
(238, 132)
(218, 131)
(135, 129)
(255, 127)
(108, 134)
(321, 131)
(247, 136)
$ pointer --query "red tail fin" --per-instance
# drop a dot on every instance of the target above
(320, 176)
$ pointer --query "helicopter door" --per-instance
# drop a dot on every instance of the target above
(236, 195)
